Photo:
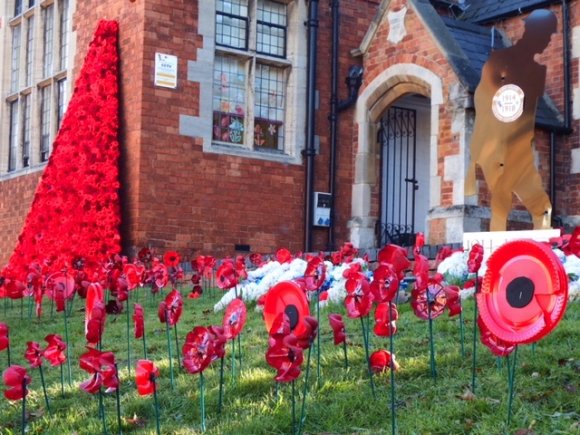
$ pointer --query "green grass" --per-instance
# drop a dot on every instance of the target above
(546, 399)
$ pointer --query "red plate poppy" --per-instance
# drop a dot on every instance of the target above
(385, 283)
(397, 257)
(4, 336)
(524, 292)
(16, 379)
(381, 360)
(54, 352)
(337, 325)
(286, 297)
(234, 318)
(198, 349)
(386, 315)
(33, 354)
(497, 346)
(315, 274)
(138, 320)
(430, 301)
(95, 294)
(145, 376)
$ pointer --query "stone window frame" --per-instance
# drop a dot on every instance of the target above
(22, 148)
(201, 71)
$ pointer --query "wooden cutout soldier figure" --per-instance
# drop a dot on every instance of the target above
(505, 104)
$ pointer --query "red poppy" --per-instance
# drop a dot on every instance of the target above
(208, 266)
(397, 257)
(348, 252)
(568, 243)
(444, 252)
(430, 301)
(219, 340)
(358, 301)
(95, 295)
(337, 326)
(306, 339)
(196, 292)
(475, 258)
(382, 360)
(234, 318)
(138, 320)
(158, 275)
(145, 255)
(421, 272)
(133, 274)
(226, 275)
(315, 274)
(198, 349)
(171, 308)
(171, 259)
(33, 354)
(16, 379)
(419, 243)
(145, 376)
(96, 324)
(496, 345)
(60, 287)
(240, 266)
(4, 336)
(285, 355)
(283, 255)
(102, 367)
(54, 352)
(386, 315)
(453, 299)
(257, 259)
(280, 327)
(385, 283)
(524, 292)
(286, 297)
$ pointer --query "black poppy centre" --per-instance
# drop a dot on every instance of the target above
(292, 312)
(520, 292)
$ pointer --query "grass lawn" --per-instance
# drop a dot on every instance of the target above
(546, 397)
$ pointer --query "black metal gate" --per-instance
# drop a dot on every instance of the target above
(398, 141)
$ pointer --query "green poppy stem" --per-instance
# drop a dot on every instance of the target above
(144, 343)
(51, 308)
(221, 393)
(119, 425)
(169, 349)
(240, 351)
(305, 392)
(156, 405)
(462, 333)
(345, 354)
(474, 356)
(392, 350)
(318, 348)
(22, 308)
(293, 407)
(62, 380)
(8, 352)
(233, 361)
(202, 401)
(44, 388)
(370, 373)
(511, 385)
(67, 348)
(71, 303)
(178, 363)
(431, 345)
(23, 425)
(102, 412)
(128, 339)
(30, 307)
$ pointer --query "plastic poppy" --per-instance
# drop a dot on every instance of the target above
(138, 320)
(96, 324)
(453, 300)
(171, 259)
(220, 340)
(33, 354)
(102, 367)
(358, 301)
(60, 287)
(4, 336)
(198, 349)
(475, 258)
(16, 380)
(171, 308)
(54, 352)
(196, 292)
(429, 302)
(315, 274)
(286, 297)
(385, 283)
(382, 360)
(419, 243)
(95, 295)
(305, 339)
(133, 274)
(234, 318)
(524, 292)
(145, 376)
(158, 275)
(396, 256)
(283, 255)
(385, 316)
(497, 346)
(337, 326)
(257, 259)
(226, 275)
(285, 355)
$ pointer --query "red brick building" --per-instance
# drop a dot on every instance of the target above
(259, 120)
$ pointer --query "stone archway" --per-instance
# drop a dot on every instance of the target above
(396, 81)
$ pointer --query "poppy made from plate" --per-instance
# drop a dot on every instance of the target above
(524, 292)
(289, 298)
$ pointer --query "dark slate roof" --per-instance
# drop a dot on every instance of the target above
(483, 11)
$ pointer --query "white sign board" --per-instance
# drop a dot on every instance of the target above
(491, 240)
(165, 70)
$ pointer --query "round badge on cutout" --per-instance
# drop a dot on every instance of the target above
(508, 103)
(286, 297)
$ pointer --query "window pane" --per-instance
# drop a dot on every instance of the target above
(271, 28)
(44, 123)
(229, 100)
(269, 107)
(48, 40)
(63, 34)
(61, 97)
(13, 138)
(17, 7)
(29, 50)
(26, 109)
(15, 59)
(232, 23)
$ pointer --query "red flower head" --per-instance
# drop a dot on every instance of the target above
(382, 360)
(196, 292)
(234, 318)
(496, 345)
(209, 264)
(102, 366)
(171, 259)
(348, 252)
(421, 272)
(138, 320)
(241, 267)
(95, 295)
(96, 324)
(475, 258)
(4, 336)
(16, 379)
(396, 256)
(287, 298)
(219, 340)
(198, 349)
(307, 337)
(283, 255)
(226, 275)
(443, 253)
(285, 355)
(338, 330)
(385, 283)
(133, 274)
(257, 259)
(453, 299)
(60, 287)
(145, 255)
(429, 301)
(385, 316)
(159, 276)
(11, 288)
(315, 274)
(358, 301)
(419, 243)
(33, 354)
(145, 376)
(171, 308)
(54, 352)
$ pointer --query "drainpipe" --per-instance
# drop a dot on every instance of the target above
(310, 151)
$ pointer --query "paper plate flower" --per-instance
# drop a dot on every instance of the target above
(219, 339)
(234, 318)
(524, 292)
(396, 256)
(96, 323)
(95, 296)
(60, 287)
(283, 255)
(385, 316)
(138, 320)
(453, 299)
(381, 360)
(55, 350)
(305, 339)
(256, 259)
(475, 258)
(429, 302)
(315, 274)
(145, 376)
(133, 274)
(4, 336)
(286, 297)
(419, 243)
(358, 300)
(385, 283)
(421, 272)
(16, 380)
(196, 292)
(226, 275)
(33, 354)
(171, 308)
(497, 346)
(337, 326)
(198, 349)
(285, 355)
(102, 367)
(171, 259)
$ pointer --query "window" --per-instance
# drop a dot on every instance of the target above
(35, 84)
(251, 75)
